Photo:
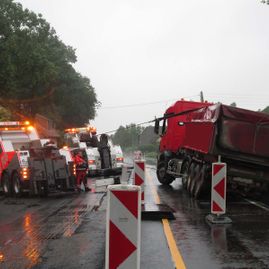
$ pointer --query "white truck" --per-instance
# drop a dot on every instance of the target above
(103, 158)
(26, 166)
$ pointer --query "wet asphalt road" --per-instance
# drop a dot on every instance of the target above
(55, 232)
(242, 244)
(68, 231)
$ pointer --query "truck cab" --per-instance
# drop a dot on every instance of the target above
(172, 130)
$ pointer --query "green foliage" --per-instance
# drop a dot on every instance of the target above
(36, 73)
(128, 137)
(233, 104)
(266, 110)
(149, 148)
(5, 115)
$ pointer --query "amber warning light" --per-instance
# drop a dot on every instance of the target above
(15, 125)
(25, 173)
(90, 129)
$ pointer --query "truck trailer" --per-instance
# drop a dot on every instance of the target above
(196, 134)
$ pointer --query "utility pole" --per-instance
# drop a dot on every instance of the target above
(201, 96)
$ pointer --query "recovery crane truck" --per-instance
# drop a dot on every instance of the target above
(26, 166)
(103, 158)
(195, 134)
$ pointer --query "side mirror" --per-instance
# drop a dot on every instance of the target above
(157, 126)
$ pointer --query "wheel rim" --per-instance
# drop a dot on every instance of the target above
(161, 172)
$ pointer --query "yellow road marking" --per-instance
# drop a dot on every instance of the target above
(153, 190)
(175, 253)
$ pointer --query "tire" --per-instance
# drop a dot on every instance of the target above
(203, 186)
(162, 176)
(190, 176)
(196, 177)
(184, 172)
(6, 184)
(16, 184)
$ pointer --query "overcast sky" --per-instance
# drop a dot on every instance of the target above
(155, 52)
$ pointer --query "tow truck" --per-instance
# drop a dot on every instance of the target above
(26, 166)
(103, 158)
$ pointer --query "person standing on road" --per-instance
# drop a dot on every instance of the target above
(81, 170)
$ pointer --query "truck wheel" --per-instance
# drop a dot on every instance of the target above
(17, 187)
(203, 186)
(184, 172)
(162, 176)
(196, 178)
(6, 184)
(190, 176)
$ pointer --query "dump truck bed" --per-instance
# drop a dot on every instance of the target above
(232, 132)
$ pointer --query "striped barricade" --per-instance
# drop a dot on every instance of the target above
(123, 227)
(139, 177)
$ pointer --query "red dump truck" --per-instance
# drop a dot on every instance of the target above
(195, 134)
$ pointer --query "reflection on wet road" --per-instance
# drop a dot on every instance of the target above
(29, 226)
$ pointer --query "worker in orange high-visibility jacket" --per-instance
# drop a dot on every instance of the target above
(81, 170)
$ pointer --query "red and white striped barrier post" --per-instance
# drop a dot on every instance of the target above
(139, 177)
(123, 227)
(218, 194)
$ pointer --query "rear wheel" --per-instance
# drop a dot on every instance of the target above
(196, 178)
(190, 176)
(17, 186)
(163, 177)
(203, 183)
(184, 172)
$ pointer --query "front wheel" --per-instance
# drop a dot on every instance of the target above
(6, 184)
(185, 171)
(162, 176)
(17, 187)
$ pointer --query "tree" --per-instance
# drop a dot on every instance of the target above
(233, 104)
(36, 72)
(266, 110)
(5, 115)
(128, 137)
